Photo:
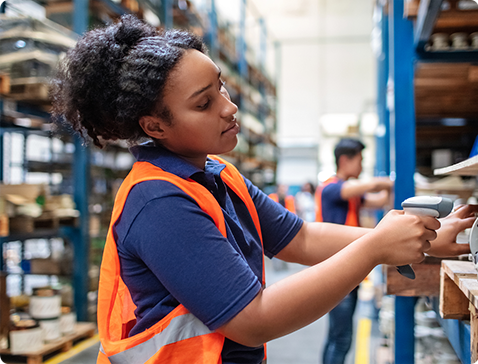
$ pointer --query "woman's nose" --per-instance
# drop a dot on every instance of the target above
(229, 108)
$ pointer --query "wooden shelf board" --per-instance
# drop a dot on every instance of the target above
(426, 283)
(468, 167)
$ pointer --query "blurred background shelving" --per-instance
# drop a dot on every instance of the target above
(35, 152)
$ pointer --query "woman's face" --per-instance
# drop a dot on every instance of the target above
(203, 116)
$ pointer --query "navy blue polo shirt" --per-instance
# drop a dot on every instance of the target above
(334, 207)
(171, 251)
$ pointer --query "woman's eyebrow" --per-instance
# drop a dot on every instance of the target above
(196, 93)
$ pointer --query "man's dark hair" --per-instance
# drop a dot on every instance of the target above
(114, 76)
(349, 147)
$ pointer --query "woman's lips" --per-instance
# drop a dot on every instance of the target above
(233, 128)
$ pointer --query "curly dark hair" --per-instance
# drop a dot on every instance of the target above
(114, 76)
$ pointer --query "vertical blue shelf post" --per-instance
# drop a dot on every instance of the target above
(212, 31)
(383, 134)
(241, 41)
(81, 175)
(402, 154)
(166, 15)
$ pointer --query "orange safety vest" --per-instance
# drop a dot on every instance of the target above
(179, 337)
(353, 209)
(289, 201)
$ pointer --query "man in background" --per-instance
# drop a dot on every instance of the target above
(282, 196)
(339, 200)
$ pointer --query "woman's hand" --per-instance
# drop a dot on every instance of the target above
(402, 238)
(445, 244)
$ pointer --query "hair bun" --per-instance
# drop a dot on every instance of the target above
(130, 30)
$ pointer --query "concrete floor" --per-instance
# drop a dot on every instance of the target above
(301, 347)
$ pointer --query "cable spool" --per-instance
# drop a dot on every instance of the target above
(45, 307)
(51, 329)
(67, 321)
(25, 336)
(45, 303)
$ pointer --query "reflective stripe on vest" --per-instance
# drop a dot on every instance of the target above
(179, 337)
(174, 332)
(352, 218)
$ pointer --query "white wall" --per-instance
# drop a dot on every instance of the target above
(327, 72)
(324, 65)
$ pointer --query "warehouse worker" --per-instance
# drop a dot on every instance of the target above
(282, 196)
(339, 200)
(182, 276)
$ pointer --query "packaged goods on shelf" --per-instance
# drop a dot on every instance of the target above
(454, 186)
(30, 50)
(45, 266)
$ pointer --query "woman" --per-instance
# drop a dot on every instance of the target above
(182, 272)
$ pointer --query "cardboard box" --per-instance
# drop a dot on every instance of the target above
(44, 266)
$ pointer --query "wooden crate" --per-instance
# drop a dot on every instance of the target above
(83, 330)
(459, 297)
(426, 282)
(21, 224)
(446, 90)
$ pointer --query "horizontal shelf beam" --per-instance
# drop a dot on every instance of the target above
(428, 12)
(446, 56)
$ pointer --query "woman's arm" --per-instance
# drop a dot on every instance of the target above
(306, 296)
(316, 242)
(305, 249)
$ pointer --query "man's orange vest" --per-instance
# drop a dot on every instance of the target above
(352, 213)
(180, 337)
(289, 201)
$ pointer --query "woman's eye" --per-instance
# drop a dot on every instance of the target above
(204, 106)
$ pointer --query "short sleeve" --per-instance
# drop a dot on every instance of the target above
(279, 226)
(188, 256)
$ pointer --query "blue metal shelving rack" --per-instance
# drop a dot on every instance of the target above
(80, 236)
(402, 140)
(403, 44)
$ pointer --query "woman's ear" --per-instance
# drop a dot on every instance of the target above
(153, 126)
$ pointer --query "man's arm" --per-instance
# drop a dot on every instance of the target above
(377, 200)
(354, 188)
